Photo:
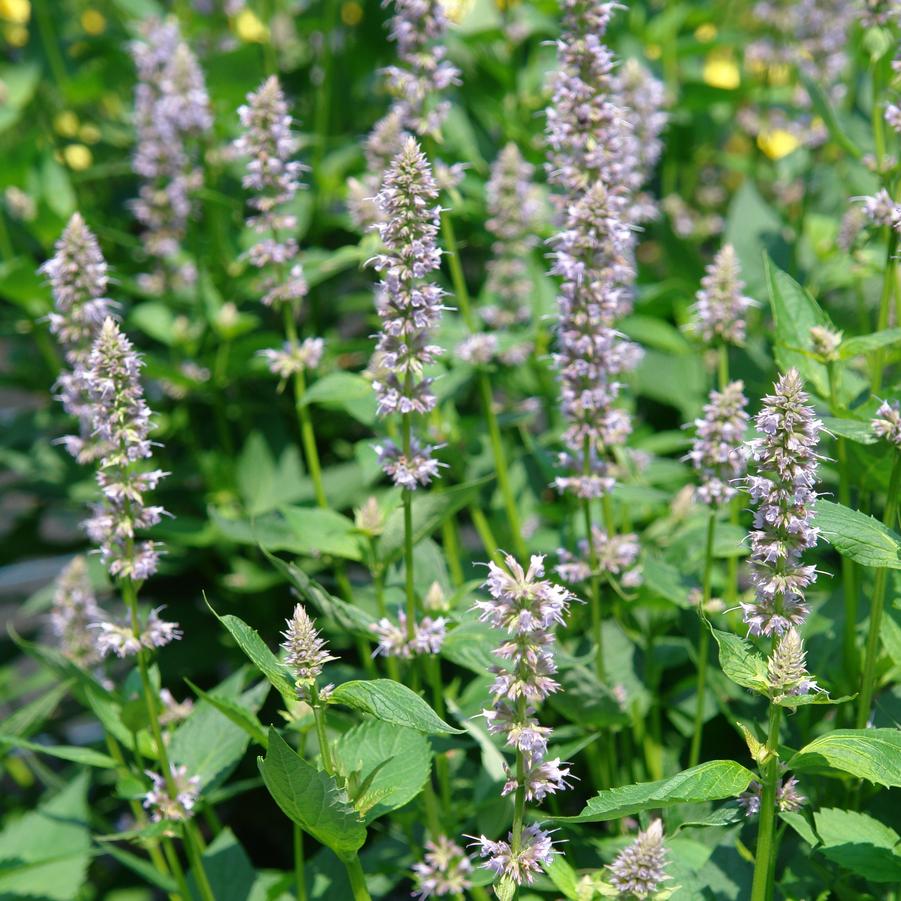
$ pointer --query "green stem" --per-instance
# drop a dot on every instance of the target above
(177, 871)
(433, 674)
(871, 655)
(732, 562)
(765, 857)
(723, 365)
(48, 40)
(595, 582)
(703, 645)
(849, 575)
(456, 271)
(452, 551)
(500, 465)
(519, 800)
(885, 299)
(130, 596)
(357, 878)
(480, 521)
(328, 764)
(299, 880)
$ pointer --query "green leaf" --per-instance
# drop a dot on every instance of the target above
(208, 743)
(141, 868)
(259, 654)
(795, 312)
(57, 188)
(239, 714)
(752, 228)
(815, 697)
(311, 798)
(871, 754)
(857, 536)
(344, 391)
(321, 531)
(33, 715)
(852, 429)
(823, 106)
(86, 756)
(228, 869)
(741, 661)
(265, 482)
(859, 843)
(864, 344)
(564, 877)
(398, 760)
(46, 852)
(711, 781)
(391, 702)
(471, 645)
(429, 512)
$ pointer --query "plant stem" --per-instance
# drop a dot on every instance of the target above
(723, 365)
(871, 655)
(48, 40)
(432, 666)
(130, 596)
(177, 871)
(885, 299)
(519, 800)
(299, 880)
(595, 582)
(703, 645)
(849, 575)
(325, 749)
(484, 529)
(408, 536)
(732, 562)
(765, 857)
(357, 878)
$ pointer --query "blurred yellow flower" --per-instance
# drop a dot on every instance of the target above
(16, 11)
(777, 143)
(249, 28)
(89, 133)
(652, 51)
(779, 74)
(77, 157)
(93, 21)
(721, 72)
(66, 123)
(15, 35)
(706, 32)
(351, 13)
(457, 10)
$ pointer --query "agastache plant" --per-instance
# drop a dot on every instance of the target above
(73, 614)
(720, 306)
(528, 608)
(639, 870)
(172, 113)
(78, 278)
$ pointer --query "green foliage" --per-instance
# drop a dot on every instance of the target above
(871, 754)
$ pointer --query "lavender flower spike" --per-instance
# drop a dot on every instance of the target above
(720, 305)
(162, 805)
(74, 612)
(639, 870)
(887, 423)
(78, 279)
(121, 419)
(718, 450)
(527, 607)
(305, 651)
(783, 489)
(408, 304)
(445, 870)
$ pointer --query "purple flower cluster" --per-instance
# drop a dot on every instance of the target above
(445, 870)
(639, 870)
(718, 451)
(172, 110)
(783, 490)
(616, 555)
(787, 667)
(394, 640)
(121, 419)
(887, 423)
(788, 798)
(120, 638)
(527, 607)
(78, 279)
(720, 306)
(306, 652)
(73, 614)
(159, 801)
(409, 306)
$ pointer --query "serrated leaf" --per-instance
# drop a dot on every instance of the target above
(711, 781)
(857, 536)
(258, 653)
(564, 877)
(864, 344)
(85, 756)
(852, 429)
(795, 312)
(320, 531)
(311, 798)
(398, 760)
(240, 715)
(859, 843)
(344, 391)
(815, 697)
(741, 661)
(208, 743)
(871, 754)
(228, 868)
(391, 702)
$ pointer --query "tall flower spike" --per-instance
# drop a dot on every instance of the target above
(78, 279)
(121, 419)
(162, 805)
(445, 870)
(409, 306)
(639, 870)
(306, 652)
(73, 614)
(528, 607)
(887, 423)
(783, 489)
(718, 452)
(787, 667)
(720, 306)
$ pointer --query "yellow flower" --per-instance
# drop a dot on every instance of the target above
(457, 10)
(777, 143)
(721, 72)
(16, 11)
(351, 13)
(93, 21)
(779, 74)
(66, 124)
(653, 51)
(89, 133)
(706, 33)
(77, 157)
(16, 35)
(249, 28)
